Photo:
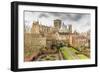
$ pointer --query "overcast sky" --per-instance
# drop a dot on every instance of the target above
(80, 22)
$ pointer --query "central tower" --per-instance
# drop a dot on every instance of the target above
(57, 24)
(70, 28)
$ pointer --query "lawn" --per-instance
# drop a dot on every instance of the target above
(68, 56)
(81, 56)
(74, 50)
(65, 53)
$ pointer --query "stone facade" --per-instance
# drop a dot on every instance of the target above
(44, 36)
(34, 41)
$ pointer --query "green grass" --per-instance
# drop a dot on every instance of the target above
(72, 49)
(81, 56)
(65, 54)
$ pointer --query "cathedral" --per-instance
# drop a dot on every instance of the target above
(41, 36)
(58, 26)
(45, 36)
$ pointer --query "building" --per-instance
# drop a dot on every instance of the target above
(57, 24)
(35, 27)
(42, 35)
(70, 28)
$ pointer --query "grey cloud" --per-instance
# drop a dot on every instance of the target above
(59, 15)
(67, 16)
(85, 20)
(74, 17)
(86, 24)
(43, 15)
(56, 14)
(80, 21)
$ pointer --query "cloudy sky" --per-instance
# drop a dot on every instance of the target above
(80, 22)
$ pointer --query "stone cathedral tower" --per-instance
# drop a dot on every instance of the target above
(70, 28)
(57, 24)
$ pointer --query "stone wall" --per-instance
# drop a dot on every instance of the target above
(34, 41)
